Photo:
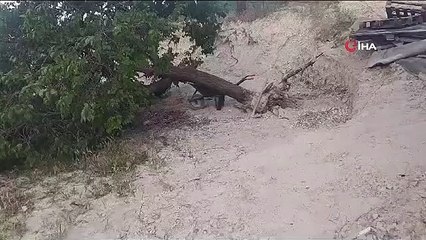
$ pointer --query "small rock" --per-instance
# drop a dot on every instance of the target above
(275, 111)
(24, 208)
(375, 216)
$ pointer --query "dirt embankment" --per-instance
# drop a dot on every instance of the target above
(348, 157)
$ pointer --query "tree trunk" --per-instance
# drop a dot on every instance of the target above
(208, 84)
(273, 94)
(160, 87)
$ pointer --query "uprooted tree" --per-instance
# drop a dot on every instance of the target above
(273, 94)
(68, 71)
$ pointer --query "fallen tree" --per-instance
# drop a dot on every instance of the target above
(214, 84)
(273, 94)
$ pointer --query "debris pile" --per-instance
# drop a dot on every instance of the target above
(400, 38)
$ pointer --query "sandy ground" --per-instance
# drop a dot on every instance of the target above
(350, 156)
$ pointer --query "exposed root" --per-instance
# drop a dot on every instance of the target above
(277, 93)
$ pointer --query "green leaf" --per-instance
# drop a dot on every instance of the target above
(64, 104)
(114, 124)
(41, 92)
(88, 40)
(87, 114)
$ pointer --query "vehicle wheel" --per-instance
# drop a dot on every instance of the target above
(219, 101)
(197, 102)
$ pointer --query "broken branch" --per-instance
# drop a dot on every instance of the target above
(210, 85)
(248, 77)
(296, 71)
(258, 100)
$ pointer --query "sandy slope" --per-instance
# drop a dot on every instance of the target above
(252, 177)
(361, 164)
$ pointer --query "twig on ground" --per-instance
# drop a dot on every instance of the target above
(296, 71)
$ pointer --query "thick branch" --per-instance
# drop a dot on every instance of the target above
(302, 68)
(248, 77)
(211, 85)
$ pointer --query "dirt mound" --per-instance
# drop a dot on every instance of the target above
(282, 41)
(327, 92)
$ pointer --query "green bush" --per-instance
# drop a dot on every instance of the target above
(67, 70)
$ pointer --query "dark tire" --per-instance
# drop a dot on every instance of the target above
(197, 102)
(219, 101)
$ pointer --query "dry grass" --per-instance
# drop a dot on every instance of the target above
(329, 118)
(113, 168)
(116, 157)
(13, 200)
(107, 171)
(11, 227)
(326, 96)
(59, 233)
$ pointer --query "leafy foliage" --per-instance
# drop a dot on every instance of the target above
(67, 70)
